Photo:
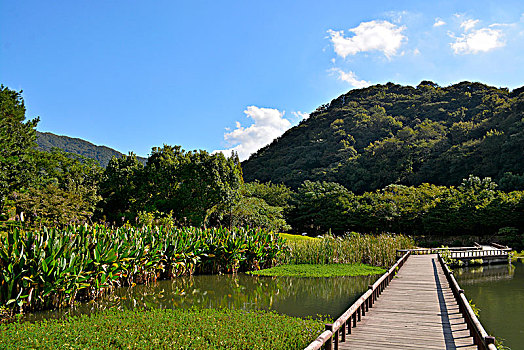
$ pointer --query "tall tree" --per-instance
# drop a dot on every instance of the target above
(319, 207)
(17, 140)
(64, 188)
(120, 185)
(190, 184)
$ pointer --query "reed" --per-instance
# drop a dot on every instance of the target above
(52, 267)
(376, 250)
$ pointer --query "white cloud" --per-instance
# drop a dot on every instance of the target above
(416, 52)
(300, 115)
(480, 40)
(469, 24)
(396, 16)
(381, 36)
(438, 22)
(350, 77)
(269, 123)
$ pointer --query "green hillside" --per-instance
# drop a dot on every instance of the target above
(47, 141)
(392, 134)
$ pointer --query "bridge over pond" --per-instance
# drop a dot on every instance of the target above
(423, 307)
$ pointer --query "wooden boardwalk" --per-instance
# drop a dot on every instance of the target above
(416, 311)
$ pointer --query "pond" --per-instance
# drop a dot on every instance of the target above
(498, 291)
(299, 297)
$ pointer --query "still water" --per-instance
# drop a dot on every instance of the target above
(299, 297)
(498, 291)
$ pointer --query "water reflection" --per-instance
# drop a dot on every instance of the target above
(498, 290)
(293, 296)
(485, 273)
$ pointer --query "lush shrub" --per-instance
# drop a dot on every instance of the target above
(165, 329)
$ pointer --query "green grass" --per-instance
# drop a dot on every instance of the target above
(296, 238)
(319, 270)
(165, 329)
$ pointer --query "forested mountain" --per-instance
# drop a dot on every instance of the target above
(388, 134)
(47, 141)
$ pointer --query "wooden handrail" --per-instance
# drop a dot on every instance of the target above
(321, 340)
(336, 331)
(434, 250)
(477, 331)
(500, 246)
(462, 252)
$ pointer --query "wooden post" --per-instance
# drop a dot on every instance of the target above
(329, 342)
(343, 331)
(489, 340)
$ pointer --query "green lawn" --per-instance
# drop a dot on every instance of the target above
(296, 238)
(165, 329)
(318, 270)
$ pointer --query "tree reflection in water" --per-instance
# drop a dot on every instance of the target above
(293, 296)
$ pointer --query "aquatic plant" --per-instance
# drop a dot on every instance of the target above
(324, 270)
(165, 329)
(54, 267)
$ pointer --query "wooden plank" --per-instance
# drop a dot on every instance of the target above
(416, 311)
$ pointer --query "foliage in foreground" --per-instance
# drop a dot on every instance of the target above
(53, 268)
(311, 270)
(376, 250)
(165, 329)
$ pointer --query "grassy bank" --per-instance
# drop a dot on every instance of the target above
(376, 250)
(165, 329)
(310, 270)
(53, 268)
(296, 238)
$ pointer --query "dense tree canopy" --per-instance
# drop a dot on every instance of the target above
(187, 185)
(17, 140)
(388, 134)
(319, 207)
(119, 188)
(62, 190)
(476, 207)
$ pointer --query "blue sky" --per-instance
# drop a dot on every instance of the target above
(220, 75)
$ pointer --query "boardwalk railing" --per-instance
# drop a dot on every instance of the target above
(462, 252)
(479, 334)
(336, 332)
(484, 253)
(500, 246)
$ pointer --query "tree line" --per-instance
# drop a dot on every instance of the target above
(195, 188)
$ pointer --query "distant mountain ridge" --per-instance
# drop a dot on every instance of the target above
(387, 134)
(103, 154)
